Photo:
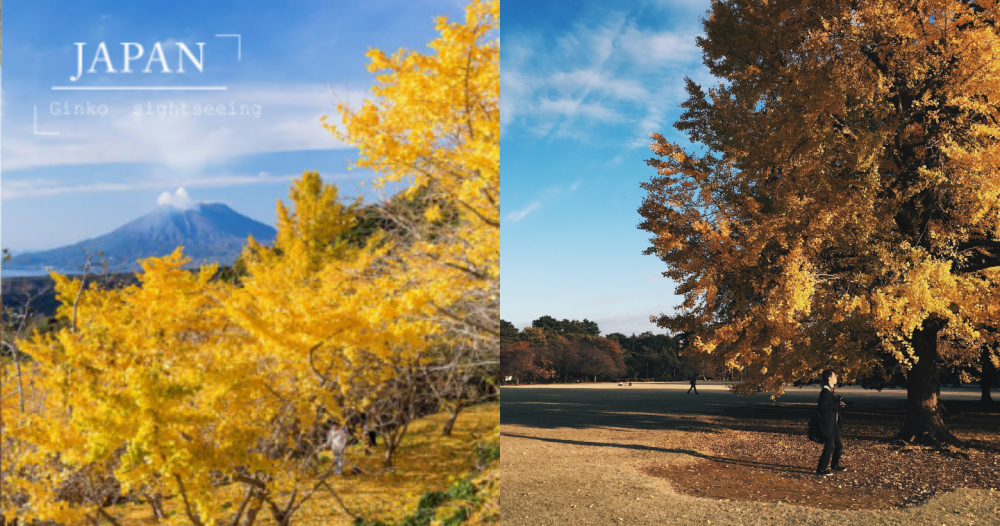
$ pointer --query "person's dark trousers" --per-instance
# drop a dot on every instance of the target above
(834, 446)
(695, 389)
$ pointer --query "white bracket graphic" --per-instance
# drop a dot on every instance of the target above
(36, 126)
(239, 46)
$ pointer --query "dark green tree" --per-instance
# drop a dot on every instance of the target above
(508, 332)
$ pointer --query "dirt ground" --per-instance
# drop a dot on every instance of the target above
(652, 454)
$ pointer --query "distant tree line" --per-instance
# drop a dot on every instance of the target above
(553, 350)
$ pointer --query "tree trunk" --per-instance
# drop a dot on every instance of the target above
(941, 408)
(390, 450)
(255, 507)
(155, 501)
(17, 368)
(924, 423)
(451, 420)
(986, 377)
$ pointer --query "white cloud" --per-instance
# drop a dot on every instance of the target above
(518, 215)
(515, 92)
(179, 200)
(658, 47)
(610, 72)
(543, 196)
(597, 44)
(26, 188)
(575, 108)
(516, 88)
(289, 119)
(600, 82)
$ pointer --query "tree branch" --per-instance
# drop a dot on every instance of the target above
(195, 519)
(981, 266)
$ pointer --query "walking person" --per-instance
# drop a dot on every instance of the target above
(694, 385)
(369, 432)
(339, 438)
(830, 423)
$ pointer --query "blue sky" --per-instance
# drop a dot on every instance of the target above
(294, 61)
(581, 89)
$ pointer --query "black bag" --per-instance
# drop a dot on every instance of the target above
(815, 433)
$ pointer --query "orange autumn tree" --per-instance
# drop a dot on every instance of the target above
(846, 208)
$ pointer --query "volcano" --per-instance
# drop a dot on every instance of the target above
(209, 233)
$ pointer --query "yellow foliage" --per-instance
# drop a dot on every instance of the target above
(210, 393)
(435, 122)
(849, 198)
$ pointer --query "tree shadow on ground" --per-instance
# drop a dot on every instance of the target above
(583, 409)
(586, 409)
(793, 419)
(784, 468)
(875, 422)
(594, 418)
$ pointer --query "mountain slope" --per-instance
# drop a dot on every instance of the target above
(209, 233)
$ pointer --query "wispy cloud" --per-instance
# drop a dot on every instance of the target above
(576, 108)
(546, 194)
(610, 72)
(599, 82)
(144, 129)
(518, 215)
(658, 47)
(27, 188)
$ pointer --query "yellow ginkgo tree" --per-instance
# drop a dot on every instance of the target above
(214, 391)
(190, 387)
(845, 212)
(124, 394)
(434, 124)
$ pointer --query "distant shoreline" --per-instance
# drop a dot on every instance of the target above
(19, 273)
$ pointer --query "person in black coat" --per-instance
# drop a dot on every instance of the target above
(830, 423)
(694, 385)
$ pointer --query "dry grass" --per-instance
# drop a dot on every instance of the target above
(651, 455)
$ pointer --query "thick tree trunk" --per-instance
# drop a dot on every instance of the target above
(986, 377)
(924, 423)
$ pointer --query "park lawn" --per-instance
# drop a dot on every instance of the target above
(425, 461)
